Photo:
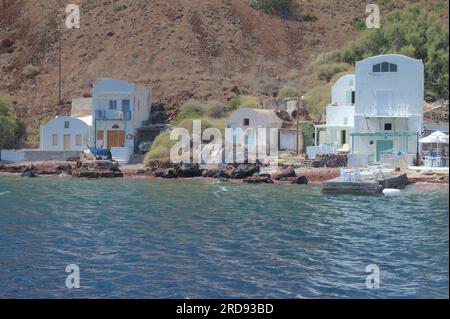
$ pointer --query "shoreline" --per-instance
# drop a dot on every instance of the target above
(314, 176)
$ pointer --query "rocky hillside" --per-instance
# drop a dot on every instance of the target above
(206, 49)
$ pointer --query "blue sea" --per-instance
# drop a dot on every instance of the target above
(202, 239)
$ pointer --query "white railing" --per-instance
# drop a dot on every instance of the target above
(398, 110)
(112, 115)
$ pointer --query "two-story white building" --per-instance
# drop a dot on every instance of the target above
(119, 108)
(336, 133)
(389, 106)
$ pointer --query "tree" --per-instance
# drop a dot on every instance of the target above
(410, 31)
(8, 122)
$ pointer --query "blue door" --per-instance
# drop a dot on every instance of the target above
(126, 109)
(384, 147)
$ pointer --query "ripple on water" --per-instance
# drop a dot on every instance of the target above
(152, 239)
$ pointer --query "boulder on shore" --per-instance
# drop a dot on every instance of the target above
(286, 173)
(188, 170)
(165, 173)
(29, 172)
(243, 171)
(301, 180)
(258, 180)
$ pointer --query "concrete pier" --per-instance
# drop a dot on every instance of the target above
(375, 186)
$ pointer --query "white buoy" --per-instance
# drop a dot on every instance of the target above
(392, 192)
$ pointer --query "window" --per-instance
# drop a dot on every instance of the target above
(100, 135)
(388, 126)
(385, 67)
(115, 127)
(392, 67)
(353, 97)
(246, 122)
(113, 105)
(66, 124)
(55, 139)
(78, 139)
(371, 143)
(101, 114)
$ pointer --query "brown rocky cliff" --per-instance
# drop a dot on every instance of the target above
(180, 48)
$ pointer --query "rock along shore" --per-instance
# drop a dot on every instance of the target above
(237, 173)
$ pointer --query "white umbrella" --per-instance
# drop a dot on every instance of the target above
(436, 137)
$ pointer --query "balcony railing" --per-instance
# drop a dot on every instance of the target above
(390, 111)
(112, 115)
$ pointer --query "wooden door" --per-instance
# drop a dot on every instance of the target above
(66, 142)
(116, 139)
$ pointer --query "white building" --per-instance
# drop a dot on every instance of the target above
(119, 108)
(336, 133)
(250, 120)
(64, 133)
(389, 106)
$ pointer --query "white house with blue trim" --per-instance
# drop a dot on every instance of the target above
(119, 109)
(388, 106)
(336, 133)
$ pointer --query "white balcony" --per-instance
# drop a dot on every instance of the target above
(388, 111)
(112, 115)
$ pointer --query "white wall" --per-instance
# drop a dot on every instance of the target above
(341, 115)
(140, 106)
(342, 90)
(288, 141)
(57, 126)
(258, 119)
(389, 97)
(405, 87)
(12, 155)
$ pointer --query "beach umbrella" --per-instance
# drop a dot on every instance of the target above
(435, 138)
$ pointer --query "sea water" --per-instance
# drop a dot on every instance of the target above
(199, 239)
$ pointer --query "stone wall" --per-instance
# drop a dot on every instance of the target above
(36, 155)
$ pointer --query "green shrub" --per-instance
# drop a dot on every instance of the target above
(30, 71)
(251, 102)
(288, 92)
(327, 71)
(275, 7)
(157, 153)
(410, 31)
(316, 100)
(233, 104)
(214, 109)
(307, 130)
(160, 150)
(190, 110)
(8, 122)
(359, 25)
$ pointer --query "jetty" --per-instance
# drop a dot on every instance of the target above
(369, 186)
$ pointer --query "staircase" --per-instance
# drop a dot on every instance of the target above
(136, 159)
